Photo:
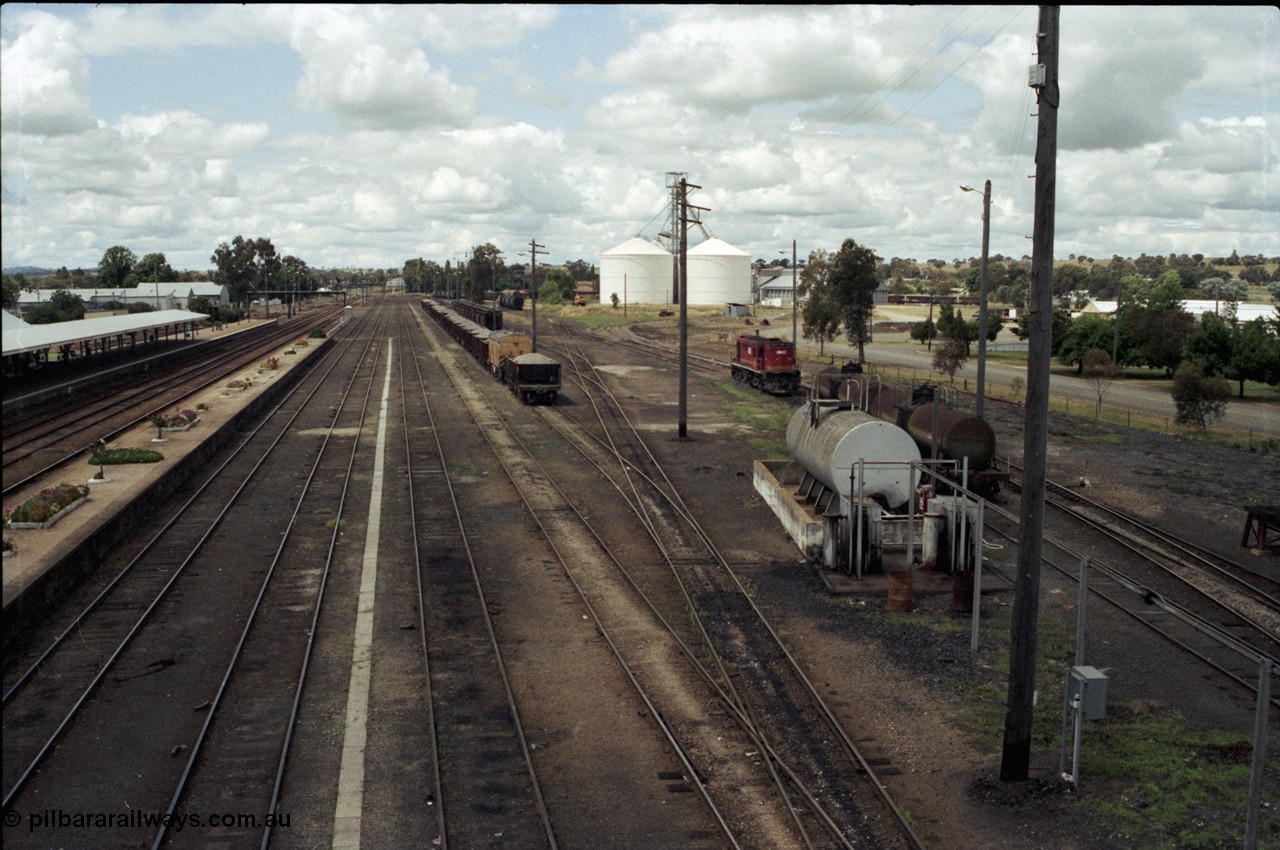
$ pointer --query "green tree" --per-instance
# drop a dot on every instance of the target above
(557, 287)
(1199, 398)
(1212, 343)
(415, 275)
(115, 267)
(1255, 355)
(854, 282)
(152, 267)
(1086, 332)
(245, 267)
(12, 289)
(820, 315)
(581, 270)
(62, 306)
(483, 271)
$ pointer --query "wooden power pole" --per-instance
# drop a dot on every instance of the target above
(1016, 758)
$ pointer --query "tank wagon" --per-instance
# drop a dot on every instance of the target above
(959, 436)
(508, 355)
(766, 364)
(511, 299)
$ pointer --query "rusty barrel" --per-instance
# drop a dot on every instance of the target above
(900, 596)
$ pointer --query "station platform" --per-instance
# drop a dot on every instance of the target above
(46, 563)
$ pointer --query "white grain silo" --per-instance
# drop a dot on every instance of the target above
(719, 274)
(637, 271)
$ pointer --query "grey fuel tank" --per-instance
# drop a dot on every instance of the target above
(829, 442)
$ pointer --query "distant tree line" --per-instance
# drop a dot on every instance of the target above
(485, 271)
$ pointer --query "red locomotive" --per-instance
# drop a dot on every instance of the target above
(767, 364)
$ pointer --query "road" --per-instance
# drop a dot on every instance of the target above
(1260, 419)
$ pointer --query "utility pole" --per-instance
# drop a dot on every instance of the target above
(533, 286)
(795, 303)
(1016, 757)
(683, 284)
(982, 299)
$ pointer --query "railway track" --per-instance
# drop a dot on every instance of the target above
(59, 433)
(735, 648)
(481, 763)
(185, 639)
(1220, 611)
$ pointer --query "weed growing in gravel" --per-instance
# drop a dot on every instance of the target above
(1159, 782)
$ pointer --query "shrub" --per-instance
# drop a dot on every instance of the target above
(317, 333)
(112, 457)
(45, 504)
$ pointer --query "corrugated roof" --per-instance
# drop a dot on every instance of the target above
(18, 339)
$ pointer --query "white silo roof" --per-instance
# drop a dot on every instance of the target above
(636, 245)
(714, 247)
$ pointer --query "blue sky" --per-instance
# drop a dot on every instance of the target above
(369, 135)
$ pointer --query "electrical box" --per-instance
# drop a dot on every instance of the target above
(1090, 685)
(1036, 76)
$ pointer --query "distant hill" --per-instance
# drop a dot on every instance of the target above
(29, 271)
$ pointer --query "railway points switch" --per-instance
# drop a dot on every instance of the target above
(1089, 685)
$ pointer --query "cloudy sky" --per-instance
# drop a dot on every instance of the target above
(369, 135)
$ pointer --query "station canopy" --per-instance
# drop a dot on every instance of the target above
(20, 337)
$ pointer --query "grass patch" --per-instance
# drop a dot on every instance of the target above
(1159, 782)
(766, 417)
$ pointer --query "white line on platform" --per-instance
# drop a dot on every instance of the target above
(347, 816)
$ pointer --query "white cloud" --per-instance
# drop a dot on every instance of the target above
(430, 128)
(42, 79)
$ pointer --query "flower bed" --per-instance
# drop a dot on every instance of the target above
(47, 507)
(179, 421)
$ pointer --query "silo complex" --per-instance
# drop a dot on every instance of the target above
(637, 271)
(719, 274)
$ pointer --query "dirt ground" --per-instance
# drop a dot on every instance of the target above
(902, 686)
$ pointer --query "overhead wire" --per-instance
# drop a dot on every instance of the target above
(909, 109)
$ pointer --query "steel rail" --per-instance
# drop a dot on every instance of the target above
(13, 487)
(215, 704)
(731, 698)
(143, 618)
(671, 493)
(1149, 597)
(512, 707)
(1147, 555)
(436, 778)
(213, 476)
(694, 776)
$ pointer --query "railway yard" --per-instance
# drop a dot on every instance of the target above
(393, 606)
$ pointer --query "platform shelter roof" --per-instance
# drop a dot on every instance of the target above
(24, 337)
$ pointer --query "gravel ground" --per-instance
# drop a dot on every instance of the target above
(901, 682)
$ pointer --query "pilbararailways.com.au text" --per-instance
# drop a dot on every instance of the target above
(136, 819)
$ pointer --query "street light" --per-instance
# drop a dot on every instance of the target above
(982, 294)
